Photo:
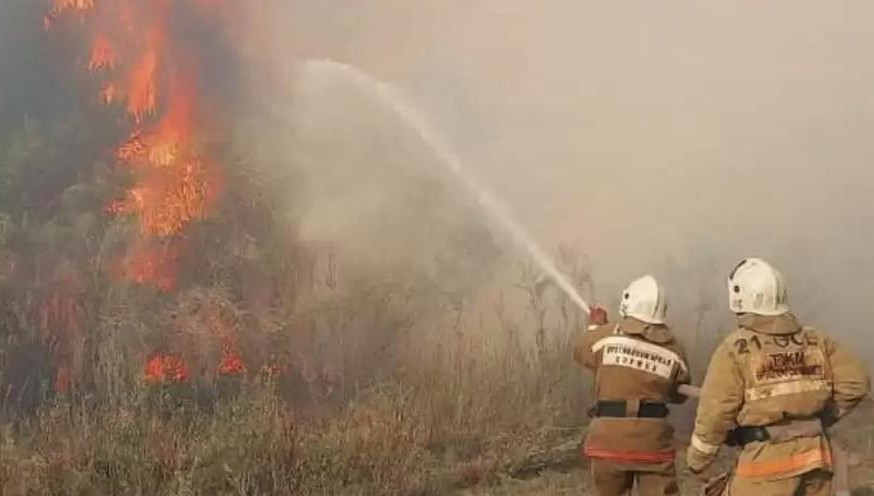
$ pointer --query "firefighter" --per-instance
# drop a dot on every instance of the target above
(638, 365)
(781, 384)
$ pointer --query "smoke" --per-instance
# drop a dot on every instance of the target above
(665, 141)
(671, 141)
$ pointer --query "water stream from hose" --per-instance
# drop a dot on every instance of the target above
(319, 72)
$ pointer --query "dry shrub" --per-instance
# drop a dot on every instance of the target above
(388, 389)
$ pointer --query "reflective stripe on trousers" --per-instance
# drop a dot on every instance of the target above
(629, 456)
(797, 463)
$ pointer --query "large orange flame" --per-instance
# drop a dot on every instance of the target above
(144, 71)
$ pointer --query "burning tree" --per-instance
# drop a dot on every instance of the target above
(113, 252)
(150, 70)
(148, 67)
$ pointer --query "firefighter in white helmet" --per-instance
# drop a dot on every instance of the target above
(638, 365)
(780, 383)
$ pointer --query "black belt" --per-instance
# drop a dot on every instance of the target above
(619, 409)
(745, 434)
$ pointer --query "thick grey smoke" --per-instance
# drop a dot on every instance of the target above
(673, 140)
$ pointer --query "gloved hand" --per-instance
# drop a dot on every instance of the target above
(597, 316)
(698, 460)
(700, 473)
(703, 476)
(717, 486)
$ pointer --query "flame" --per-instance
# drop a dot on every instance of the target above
(152, 74)
(107, 94)
(169, 200)
(102, 54)
(232, 363)
(142, 89)
(164, 368)
(61, 6)
(132, 148)
(153, 265)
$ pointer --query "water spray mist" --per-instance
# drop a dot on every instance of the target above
(317, 72)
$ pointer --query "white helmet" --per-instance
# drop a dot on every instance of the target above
(644, 299)
(756, 287)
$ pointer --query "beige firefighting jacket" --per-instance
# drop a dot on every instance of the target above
(633, 361)
(771, 371)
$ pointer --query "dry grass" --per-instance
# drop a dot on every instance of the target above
(457, 415)
(469, 413)
(458, 419)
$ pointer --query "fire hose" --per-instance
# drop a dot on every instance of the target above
(841, 458)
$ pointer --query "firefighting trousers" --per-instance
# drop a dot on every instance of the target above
(612, 478)
(815, 483)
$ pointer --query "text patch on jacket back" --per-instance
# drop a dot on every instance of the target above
(635, 354)
(781, 365)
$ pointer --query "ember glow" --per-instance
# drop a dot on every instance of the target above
(150, 72)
